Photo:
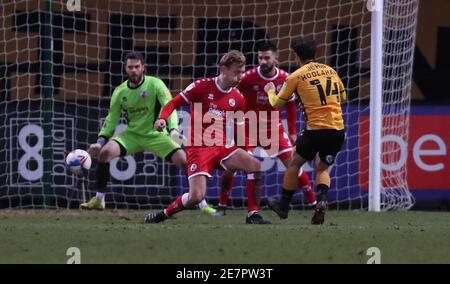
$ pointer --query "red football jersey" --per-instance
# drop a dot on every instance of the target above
(209, 105)
(252, 85)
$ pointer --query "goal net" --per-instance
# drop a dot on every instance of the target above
(60, 61)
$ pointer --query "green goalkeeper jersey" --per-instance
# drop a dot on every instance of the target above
(141, 106)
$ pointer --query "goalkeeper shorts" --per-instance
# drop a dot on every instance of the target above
(158, 143)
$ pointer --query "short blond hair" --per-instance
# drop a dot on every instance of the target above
(233, 57)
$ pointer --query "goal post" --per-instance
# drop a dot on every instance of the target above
(392, 43)
(47, 104)
(376, 93)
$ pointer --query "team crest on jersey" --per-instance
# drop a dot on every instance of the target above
(210, 96)
(329, 159)
(193, 167)
(143, 94)
(231, 102)
(279, 87)
(256, 88)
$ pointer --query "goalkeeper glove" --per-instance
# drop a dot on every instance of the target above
(176, 136)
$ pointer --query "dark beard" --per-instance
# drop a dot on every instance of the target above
(267, 70)
(137, 81)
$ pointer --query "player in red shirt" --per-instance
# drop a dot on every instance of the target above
(211, 100)
(251, 86)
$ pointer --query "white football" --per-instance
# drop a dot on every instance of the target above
(78, 162)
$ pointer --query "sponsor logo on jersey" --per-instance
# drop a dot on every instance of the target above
(262, 98)
(137, 109)
(212, 110)
(124, 102)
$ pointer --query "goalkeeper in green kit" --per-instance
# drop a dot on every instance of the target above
(141, 98)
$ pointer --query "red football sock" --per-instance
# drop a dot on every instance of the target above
(226, 187)
(305, 185)
(174, 207)
(252, 204)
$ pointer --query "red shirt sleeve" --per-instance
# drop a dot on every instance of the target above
(191, 93)
(176, 102)
(188, 95)
(291, 116)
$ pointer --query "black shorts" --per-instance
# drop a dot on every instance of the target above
(326, 142)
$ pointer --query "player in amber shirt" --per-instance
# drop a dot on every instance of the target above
(321, 92)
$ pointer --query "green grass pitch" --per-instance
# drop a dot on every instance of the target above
(40, 236)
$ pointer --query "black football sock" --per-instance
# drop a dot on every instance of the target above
(102, 176)
(322, 192)
(286, 197)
